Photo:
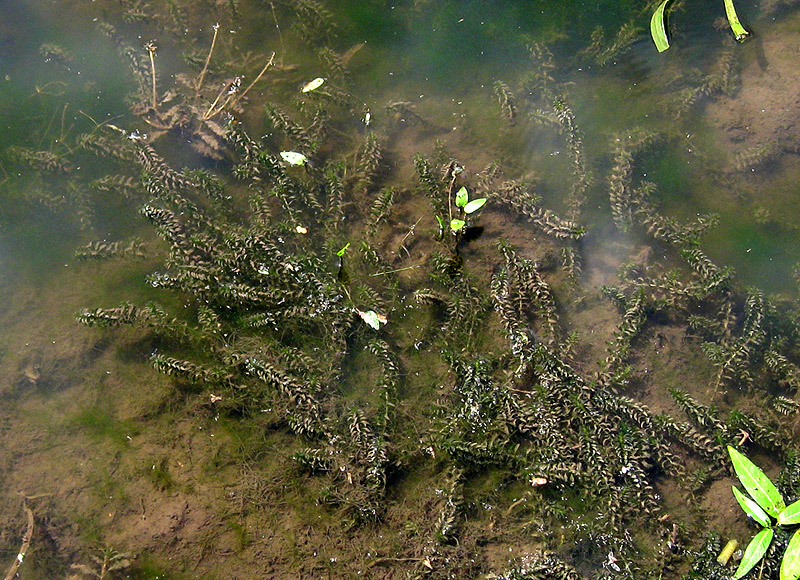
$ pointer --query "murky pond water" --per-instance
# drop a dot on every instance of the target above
(258, 323)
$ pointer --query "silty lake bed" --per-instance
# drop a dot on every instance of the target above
(251, 331)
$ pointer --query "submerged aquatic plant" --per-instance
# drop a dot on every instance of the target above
(659, 33)
(764, 504)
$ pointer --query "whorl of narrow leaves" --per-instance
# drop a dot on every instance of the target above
(518, 199)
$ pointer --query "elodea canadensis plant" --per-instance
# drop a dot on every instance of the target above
(764, 504)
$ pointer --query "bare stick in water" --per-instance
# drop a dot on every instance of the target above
(26, 543)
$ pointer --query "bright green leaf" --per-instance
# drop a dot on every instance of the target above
(456, 225)
(294, 158)
(312, 85)
(790, 567)
(657, 29)
(754, 552)
(441, 222)
(462, 197)
(757, 484)
(738, 30)
(791, 515)
(751, 508)
(474, 205)
(341, 252)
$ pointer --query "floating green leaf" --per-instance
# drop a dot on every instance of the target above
(752, 509)
(754, 552)
(790, 567)
(757, 484)
(294, 158)
(657, 28)
(474, 205)
(372, 318)
(312, 85)
(738, 30)
(456, 225)
(462, 197)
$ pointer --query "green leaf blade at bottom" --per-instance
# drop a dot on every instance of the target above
(754, 552)
(790, 566)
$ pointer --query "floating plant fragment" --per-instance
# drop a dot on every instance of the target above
(372, 318)
(657, 29)
(312, 85)
(738, 30)
(659, 33)
(294, 158)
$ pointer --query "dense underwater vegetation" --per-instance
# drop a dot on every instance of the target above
(258, 324)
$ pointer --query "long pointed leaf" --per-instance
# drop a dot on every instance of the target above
(754, 552)
(738, 30)
(757, 484)
(790, 567)
(791, 515)
(752, 509)
(657, 29)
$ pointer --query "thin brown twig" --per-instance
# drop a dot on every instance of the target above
(26, 543)
(151, 50)
(280, 36)
(258, 78)
(216, 108)
(199, 84)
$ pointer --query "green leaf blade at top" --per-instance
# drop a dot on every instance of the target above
(790, 566)
(657, 29)
(791, 515)
(758, 485)
(752, 509)
(754, 552)
(474, 205)
(456, 225)
(462, 197)
(739, 31)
